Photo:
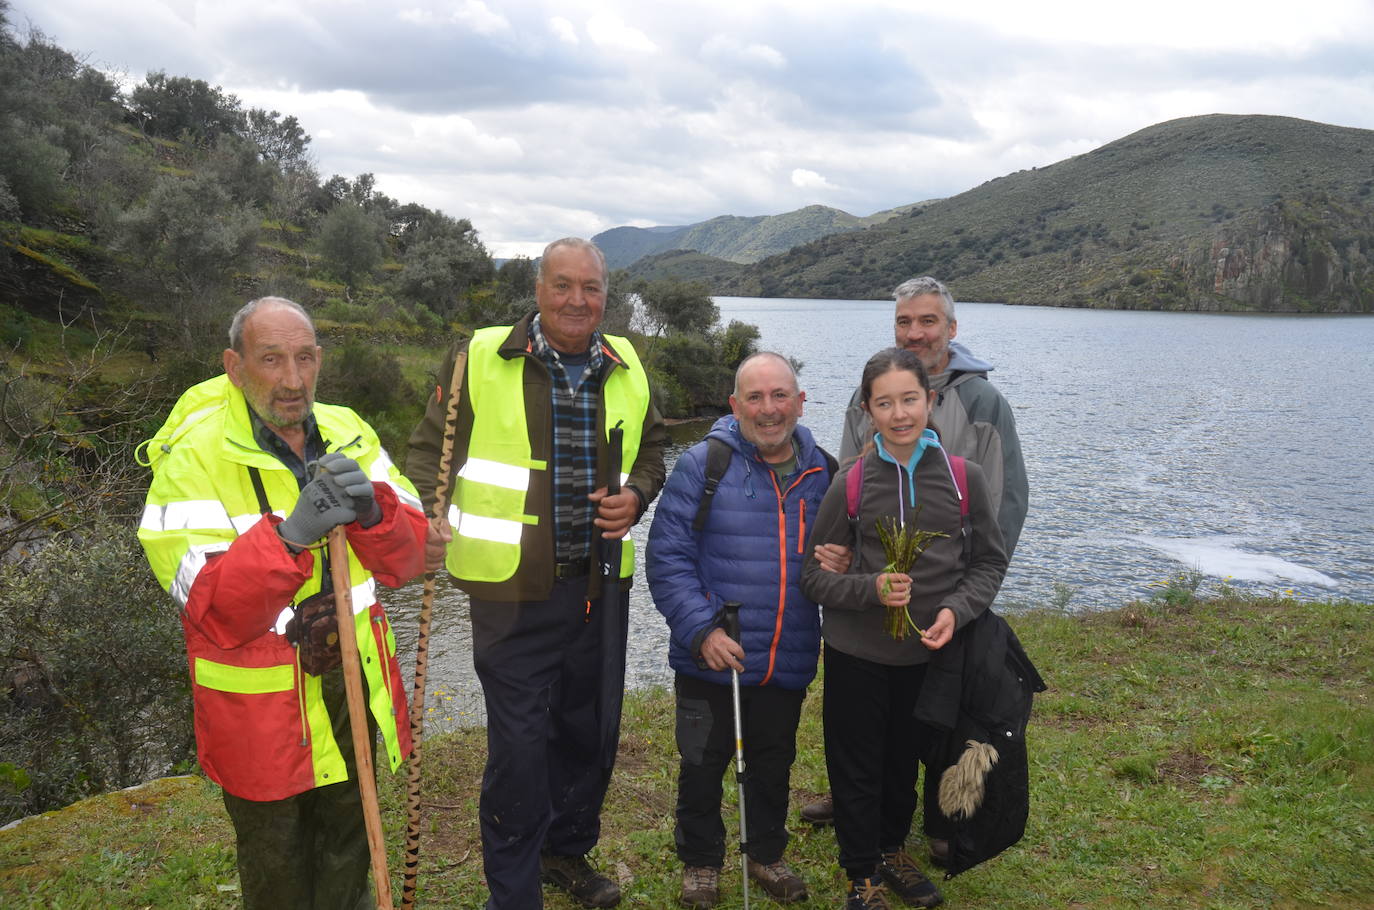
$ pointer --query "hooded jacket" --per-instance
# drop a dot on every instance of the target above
(751, 550)
(974, 421)
(854, 616)
(262, 730)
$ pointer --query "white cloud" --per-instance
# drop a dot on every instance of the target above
(730, 47)
(611, 33)
(809, 180)
(564, 30)
(536, 120)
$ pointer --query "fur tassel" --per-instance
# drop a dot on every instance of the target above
(962, 784)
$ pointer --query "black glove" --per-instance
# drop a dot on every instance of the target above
(345, 473)
(324, 503)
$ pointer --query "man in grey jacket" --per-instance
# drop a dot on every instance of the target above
(973, 419)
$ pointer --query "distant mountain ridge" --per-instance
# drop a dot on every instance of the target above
(736, 238)
(1216, 212)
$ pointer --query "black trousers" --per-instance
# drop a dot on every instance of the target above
(706, 744)
(541, 666)
(308, 851)
(873, 749)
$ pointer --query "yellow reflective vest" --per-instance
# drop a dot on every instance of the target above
(488, 511)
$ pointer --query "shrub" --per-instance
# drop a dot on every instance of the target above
(95, 689)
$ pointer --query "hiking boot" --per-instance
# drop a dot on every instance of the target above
(939, 851)
(700, 887)
(867, 894)
(907, 881)
(782, 884)
(821, 812)
(577, 877)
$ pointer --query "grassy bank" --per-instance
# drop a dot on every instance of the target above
(1189, 754)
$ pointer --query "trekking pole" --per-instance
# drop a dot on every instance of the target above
(357, 714)
(732, 629)
(411, 874)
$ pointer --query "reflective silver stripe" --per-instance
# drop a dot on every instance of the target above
(380, 469)
(405, 496)
(499, 530)
(624, 478)
(364, 596)
(187, 515)
(190, 567)
(242, 523)
(496, 474)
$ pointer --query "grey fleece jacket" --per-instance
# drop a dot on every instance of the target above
(852, 615)
(974, 421)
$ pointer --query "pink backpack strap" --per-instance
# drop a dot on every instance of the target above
(960, 469)
(853, 487)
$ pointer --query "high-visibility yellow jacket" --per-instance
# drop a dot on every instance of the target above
(502, 513)
(262, 730)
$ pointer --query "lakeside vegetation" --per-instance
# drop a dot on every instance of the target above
(1192, 752)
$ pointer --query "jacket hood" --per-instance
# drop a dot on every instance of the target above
(964, 361)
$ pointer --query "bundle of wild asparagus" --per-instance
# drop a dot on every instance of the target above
(902, 545)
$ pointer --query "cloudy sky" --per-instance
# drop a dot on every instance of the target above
(542, 118)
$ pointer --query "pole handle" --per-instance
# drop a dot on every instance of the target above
(732, 619)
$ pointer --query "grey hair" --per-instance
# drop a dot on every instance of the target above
(576, 243)
(248, 309)
(796, 386)
(915, 287)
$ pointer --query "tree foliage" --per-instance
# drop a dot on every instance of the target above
(671, 304)
(352, 241)
(173, 106)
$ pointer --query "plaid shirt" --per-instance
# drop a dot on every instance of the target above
(574, 446)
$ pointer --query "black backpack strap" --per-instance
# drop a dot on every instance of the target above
(256, 476)
(832, 467)
(717, 460)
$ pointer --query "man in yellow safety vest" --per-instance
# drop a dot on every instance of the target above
(530, 509)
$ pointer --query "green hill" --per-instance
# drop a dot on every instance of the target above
(1218, 212)
(735, 238)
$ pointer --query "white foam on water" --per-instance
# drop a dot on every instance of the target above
(1222, 557)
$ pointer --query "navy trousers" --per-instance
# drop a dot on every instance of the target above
(541, 666)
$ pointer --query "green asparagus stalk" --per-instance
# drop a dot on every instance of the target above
(902, 545)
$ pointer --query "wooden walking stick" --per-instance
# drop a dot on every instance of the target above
(417, 700)
(357, 714)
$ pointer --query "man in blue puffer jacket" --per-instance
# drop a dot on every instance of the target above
(751, 549)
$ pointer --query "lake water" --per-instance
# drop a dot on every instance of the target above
(1240, 447)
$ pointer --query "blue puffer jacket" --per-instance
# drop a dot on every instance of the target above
(751, 550)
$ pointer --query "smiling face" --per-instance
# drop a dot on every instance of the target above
(900, 410)
(767, 404)
(923, 327)
(277, 366)
(571, 293)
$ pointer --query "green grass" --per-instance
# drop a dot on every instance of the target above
(1189, 754)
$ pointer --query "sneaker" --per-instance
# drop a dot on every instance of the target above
(821, 812)
(700, 887)
(782, 884)
(577, 877)
(939, 851)
(901, 874)
(867, 894)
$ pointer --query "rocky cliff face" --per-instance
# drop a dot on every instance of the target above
(1288, 257)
